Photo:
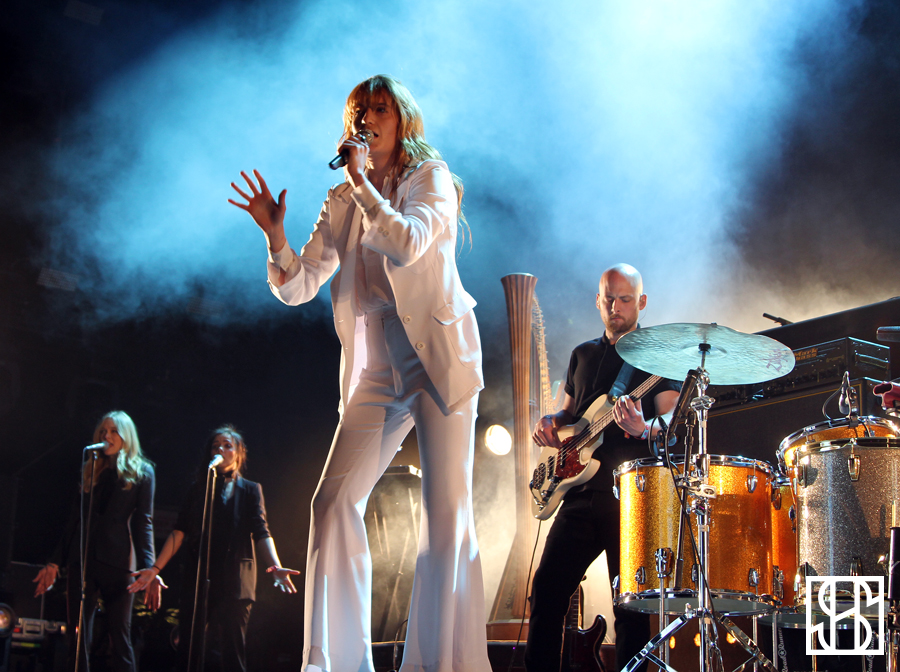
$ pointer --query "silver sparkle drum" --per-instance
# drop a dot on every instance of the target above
(739, 572)
(847, 492)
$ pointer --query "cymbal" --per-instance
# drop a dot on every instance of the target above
(733, 357)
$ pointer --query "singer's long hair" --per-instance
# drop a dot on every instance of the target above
(130, 463)
(237, 440)
(412, 148)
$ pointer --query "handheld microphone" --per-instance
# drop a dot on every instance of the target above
(96, 446)
(215, 462)
(340, 160)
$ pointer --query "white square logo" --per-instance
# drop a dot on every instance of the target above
(822, 597)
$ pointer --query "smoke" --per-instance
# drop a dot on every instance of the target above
(815, 229)
(586, 135)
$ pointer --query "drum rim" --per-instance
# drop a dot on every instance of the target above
(863, 442)
(717, 460)
(650, 596)
(831, 424)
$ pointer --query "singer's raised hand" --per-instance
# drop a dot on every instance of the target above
(266, 212)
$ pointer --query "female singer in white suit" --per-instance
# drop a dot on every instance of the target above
(410, 355)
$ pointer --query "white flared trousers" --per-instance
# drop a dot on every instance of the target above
(446, 630)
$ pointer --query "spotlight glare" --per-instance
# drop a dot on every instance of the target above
(7, 620)
(497, 439)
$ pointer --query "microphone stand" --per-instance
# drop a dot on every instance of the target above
(201, 587)
(85, 546)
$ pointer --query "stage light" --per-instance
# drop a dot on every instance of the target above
(497, 439)
(7, 620)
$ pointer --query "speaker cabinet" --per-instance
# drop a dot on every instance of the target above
(755, 429)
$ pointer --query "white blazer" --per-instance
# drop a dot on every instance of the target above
(416, 234)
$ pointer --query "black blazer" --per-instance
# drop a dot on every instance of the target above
(247, 525)
(121, 526)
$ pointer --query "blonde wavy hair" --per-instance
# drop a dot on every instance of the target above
(130, 463)
(412, 148)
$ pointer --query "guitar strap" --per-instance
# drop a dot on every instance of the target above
(618, 388)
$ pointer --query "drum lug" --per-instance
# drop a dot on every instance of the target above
(753, 577)
(640, 482)
(801, 474)
(792, 514)
(778, 582)
(856, 568)
(803, 570)
(695, 573)
(776, 498)
(853, 466)
(751, 483)
(664, 558)
(640, 576)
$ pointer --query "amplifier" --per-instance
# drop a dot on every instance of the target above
(816, 366)
(756, 429)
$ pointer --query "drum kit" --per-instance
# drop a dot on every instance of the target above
(712, 536)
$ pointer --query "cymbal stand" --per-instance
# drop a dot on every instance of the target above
(701, 491)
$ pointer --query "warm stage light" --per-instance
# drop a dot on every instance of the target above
(497, 439)
(7, 621)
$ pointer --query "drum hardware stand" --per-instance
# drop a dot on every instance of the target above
(664, 558)
(893, 595)
(705, 612)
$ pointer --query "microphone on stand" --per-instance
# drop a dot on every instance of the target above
(684, 399)
(888, 334)
(364, 136)
(847, 402)
(215, 462)
(95, 446)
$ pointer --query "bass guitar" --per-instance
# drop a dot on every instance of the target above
(581, 648)
(560, 469)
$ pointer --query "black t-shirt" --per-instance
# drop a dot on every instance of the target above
(593, 369)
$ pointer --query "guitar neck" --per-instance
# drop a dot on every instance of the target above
(604, 421)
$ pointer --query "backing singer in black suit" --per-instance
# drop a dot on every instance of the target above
(239, 520)
(121, 537)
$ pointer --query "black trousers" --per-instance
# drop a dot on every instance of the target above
(226, 632)
(586, 524)
(110, 583)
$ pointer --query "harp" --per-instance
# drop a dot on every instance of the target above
(531, 399)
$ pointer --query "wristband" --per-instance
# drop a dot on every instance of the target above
(158, 570)
(646, 433)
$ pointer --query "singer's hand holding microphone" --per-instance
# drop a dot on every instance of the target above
(355, 147)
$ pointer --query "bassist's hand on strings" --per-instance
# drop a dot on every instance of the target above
(545, 430)
(629, 416)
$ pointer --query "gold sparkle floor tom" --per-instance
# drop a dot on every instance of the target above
(739, 572)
